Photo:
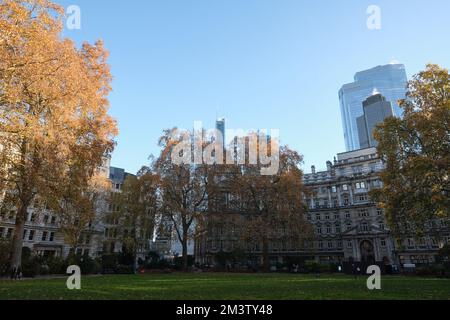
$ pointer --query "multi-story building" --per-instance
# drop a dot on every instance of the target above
(349, 227)
(376, 111)
(111, 223)
(43, 233)
(114, 226)
(44, 236)
(220, 127)
(389, 80)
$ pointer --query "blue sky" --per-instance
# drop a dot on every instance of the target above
(261, 63)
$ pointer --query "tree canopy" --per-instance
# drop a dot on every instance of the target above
(416, 150)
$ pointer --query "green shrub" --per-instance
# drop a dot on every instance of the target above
(5, 248)
(178, 262)
(124, 269)
(311, 266)
(433, 270)
(109, 263)
(56, 265)
(88, 265)
(31, 267)
(325, 268)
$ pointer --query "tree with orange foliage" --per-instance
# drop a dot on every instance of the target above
(273, 206)
(54, 126)
(416, 151)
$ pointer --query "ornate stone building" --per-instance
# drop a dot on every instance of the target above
(44, 236)
(349, 226)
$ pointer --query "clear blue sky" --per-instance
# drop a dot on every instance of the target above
(262, 63)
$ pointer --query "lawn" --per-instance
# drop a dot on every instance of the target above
(228, 287)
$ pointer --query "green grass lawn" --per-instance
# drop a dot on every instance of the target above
(228, 287)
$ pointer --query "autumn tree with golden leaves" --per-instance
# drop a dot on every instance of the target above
(138, 205)
(185, 189)
(416, 151)
(272, 206)
(54, 126)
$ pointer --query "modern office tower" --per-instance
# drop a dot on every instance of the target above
(220, 127)
(376, 110)
(389, 80)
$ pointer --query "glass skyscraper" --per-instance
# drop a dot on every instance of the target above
(220, 127)
(389, 80)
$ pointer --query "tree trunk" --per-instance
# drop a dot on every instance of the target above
(265, 255)
(17, 242)
(185, 252)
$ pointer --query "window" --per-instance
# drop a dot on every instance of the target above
(12, 215)
(383, 243)
(379, 212)
(348, 215)
(320, 245)
(363, 213)
(338, 228)
(327, 217)
(318, 217)
(330, 245)
(52, 236)
(319, 230)
(46, 218)
(2, 231)
(365, 227)
(44, 236)
(382, 226)
(340, 244)
(362, 197)
(349, 244)
(31, 235)
(346, 201)
(360, 185)
(336, 217)
(24, 234)
(329, 230)
(345, 187)
(53, 221)
(357, 169)
(9, 233)
(334, 189)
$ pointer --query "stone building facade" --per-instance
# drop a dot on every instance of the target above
(350, 230)
(44, 236)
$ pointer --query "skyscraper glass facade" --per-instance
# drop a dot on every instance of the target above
(389, 80)
(220, 127)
